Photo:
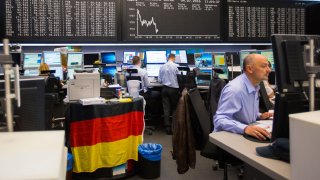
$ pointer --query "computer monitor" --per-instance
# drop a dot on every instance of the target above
(204, 60)
(31, 113)
(58, 71)
(153, 69)
(75, 59)
(32, 60)
(31, 72)
(90, 58)
(156, 57)
(16, 58)
(190, 60)
(290, 62)
(219, 59)
(52, 58)
(181, 56)
(269, 55)
(108, 57)
(225, 74)
(111, 70)
(127, 56)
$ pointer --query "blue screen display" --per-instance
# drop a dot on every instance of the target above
(109, 70)
(203, 60)
(108, 57)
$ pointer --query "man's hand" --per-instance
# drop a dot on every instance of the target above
(266, 115)
(257, 132)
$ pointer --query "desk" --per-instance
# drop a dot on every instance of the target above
(105, 135)
(245, 150)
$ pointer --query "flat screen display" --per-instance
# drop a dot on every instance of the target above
(31, 60)
(219, 59)
(181, 56)
(204, 60)
(127, 56)
(52, 58)
(75, 59)
(153, 69)
(108, 57)
(111, 70)
(156, 56)
(90, 58)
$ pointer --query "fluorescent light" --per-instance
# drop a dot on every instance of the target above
(147, 44)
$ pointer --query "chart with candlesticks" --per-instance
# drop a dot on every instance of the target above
(153, 20)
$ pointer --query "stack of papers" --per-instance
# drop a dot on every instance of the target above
(91, 101)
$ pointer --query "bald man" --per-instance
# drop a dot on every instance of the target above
(239, 101)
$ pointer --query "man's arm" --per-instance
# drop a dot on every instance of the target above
(229, 105)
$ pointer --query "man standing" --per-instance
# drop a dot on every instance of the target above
(170, 90)
(239, 101)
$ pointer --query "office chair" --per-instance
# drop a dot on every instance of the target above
(185, 78)
(135, 83)
(264, 102)
(208, 149)
(54, 102)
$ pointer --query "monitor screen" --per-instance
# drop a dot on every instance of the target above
(75, 59)
(204, 60)
(153, 69)
(181, 56)
(225, 74)
(31, 72)
(58, 73)
(190, 59)
(156, 56)
(219, 59)
(127, 56)
(108, 57)
(52, 57)
(111, 70)
(269, 55)
(16, 58)
(90, 58)
(32, 60)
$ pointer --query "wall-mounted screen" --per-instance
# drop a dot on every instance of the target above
(108, 57)
(52, 58)
(75, 59)
(32, 60)
(171, 20)
(60, 20)
(269, 55)
(156, 56)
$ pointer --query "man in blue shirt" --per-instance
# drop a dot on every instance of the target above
(239, 101)
(141, 72)
(170, 90)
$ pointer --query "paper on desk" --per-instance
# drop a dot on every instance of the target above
(265, 124)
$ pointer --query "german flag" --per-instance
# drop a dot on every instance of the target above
(105, 135)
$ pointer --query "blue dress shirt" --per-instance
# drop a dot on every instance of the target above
(168, 75)
(144, 77)
(238, 106)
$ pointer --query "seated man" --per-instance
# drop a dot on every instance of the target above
(141, 72)
(239, 101)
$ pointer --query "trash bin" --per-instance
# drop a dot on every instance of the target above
(149, 160)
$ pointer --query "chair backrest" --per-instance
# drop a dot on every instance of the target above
(264, 102)
(53, 85)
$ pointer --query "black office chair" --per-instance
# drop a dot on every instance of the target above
(264, 103)
(209, 150)
(185, 78)
(54, 102)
